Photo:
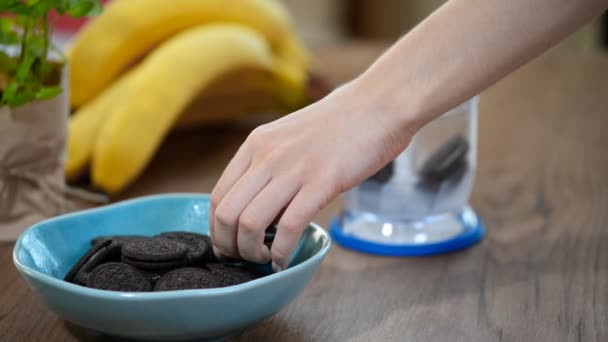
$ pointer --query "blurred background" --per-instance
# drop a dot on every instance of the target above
(323, 22)
(330, 22)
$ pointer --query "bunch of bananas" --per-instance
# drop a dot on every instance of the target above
(146, 67)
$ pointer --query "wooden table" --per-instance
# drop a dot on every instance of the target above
(541, 274)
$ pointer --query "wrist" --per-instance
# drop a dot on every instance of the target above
(396, 106)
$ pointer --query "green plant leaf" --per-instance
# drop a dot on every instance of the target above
(20, 99)
(36, 45)
(8, 24)
(24, 68)
(62, 6)
(8, 39)
(47, 93)
(17, 7)
(8, 34)
(42, 7)
(5, 5)
(28, 26)
(9, 92)
(96, 10)
(83, 8)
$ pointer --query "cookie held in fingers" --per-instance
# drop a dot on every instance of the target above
(269, 235)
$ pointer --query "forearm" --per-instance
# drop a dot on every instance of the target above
(464, 47)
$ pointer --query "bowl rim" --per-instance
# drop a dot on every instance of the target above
(138, 296)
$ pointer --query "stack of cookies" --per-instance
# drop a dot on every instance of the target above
(165, 262)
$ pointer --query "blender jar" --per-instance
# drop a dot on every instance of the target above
(418, 203)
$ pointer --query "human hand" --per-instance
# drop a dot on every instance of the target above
(291, 168)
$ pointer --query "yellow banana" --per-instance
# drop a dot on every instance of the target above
(163, 86)
(291, 49)
(85, 123)
(234, 95)
(238, 93)
(128, 29)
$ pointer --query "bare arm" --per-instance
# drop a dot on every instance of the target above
(466, 46)
(298, 164)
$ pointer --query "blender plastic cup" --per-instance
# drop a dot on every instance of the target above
(418, 204)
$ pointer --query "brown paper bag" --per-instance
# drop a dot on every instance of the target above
(32, 154)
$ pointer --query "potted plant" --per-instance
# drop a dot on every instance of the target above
(34, 109)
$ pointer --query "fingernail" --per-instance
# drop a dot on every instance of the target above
(276, 267)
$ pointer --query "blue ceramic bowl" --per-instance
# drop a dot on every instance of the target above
(46, 251)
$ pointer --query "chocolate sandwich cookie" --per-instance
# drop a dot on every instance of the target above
(199, 245)
(155, 249)
(251, 270)
(155, 253)
(115, 276)
(186, 278)
(210, 256)
(228, 275)
(117, 239)
(108, 253)
(255, 271)
(269, 235)
(153, 275)
(93, 257)
(449, 159)
(158, 266)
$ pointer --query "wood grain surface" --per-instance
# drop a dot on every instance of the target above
(541, 273)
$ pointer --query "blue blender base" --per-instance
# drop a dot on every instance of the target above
(471, 234)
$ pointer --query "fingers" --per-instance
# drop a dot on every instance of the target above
(232, 205)
(235, 169)
(258, 215)
(300, 212)
(264, 178)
